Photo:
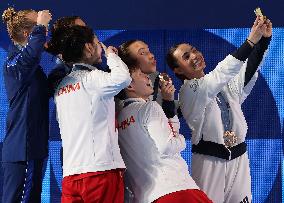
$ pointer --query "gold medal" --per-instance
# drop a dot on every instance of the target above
(230, 138)
(164, 77)
(259, 13)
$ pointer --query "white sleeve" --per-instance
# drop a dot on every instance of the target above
(108, 84)
(247, 89)
(166, 136)
(174, 124)
(237, 83)
(196, 94)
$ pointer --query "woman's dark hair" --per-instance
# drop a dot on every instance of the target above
(124, 53)
(61, 23)
(66, 21)
(130, 61)
(172, 61)
(71, 41)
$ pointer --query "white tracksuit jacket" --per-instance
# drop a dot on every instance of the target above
(86, 114)
(223, 181)
(199, 107)
(151, 148)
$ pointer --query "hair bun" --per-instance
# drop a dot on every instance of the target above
(8, 14)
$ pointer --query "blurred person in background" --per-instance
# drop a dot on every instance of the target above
(25, 146)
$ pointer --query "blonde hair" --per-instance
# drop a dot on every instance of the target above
(17, 22)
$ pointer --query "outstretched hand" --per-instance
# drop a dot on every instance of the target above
(257, 30)
(267, 28)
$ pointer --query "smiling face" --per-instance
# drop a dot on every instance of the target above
(140, 86)
(143, 56)
(190, 61)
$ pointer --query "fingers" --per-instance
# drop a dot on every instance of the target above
(103, 46)
(167, 87)
(267, 30)
(259, 25)
(260, 22)
(46, 11)
(256, 21)
(171, 88)
(46, 14)
(268, 23)
(44, 17)
(113, 49)
(110, 49)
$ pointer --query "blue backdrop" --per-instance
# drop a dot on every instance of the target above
(159, 14)
(264, 108)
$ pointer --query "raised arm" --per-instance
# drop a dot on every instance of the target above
(257, 54)
(23, 65)
(109, 84)
(245, 80)
(196, 94)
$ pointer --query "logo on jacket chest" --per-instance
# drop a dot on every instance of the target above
(69, 88)
(194, 85)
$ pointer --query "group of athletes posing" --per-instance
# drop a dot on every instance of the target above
(140, 133)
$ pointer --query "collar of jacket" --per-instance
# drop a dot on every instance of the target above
(129, 101)
(83, 66)
(13, 50)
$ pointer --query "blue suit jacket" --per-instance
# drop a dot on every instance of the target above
(56, 75)
(26, 87)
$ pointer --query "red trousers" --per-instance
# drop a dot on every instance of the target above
(184, 196)
(96, 187)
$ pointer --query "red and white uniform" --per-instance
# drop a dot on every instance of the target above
(151, 145)
(86, 114)
(222, 180)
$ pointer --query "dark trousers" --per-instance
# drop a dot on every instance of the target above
(22, 181)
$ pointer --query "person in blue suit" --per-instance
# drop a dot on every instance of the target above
(25, 146)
